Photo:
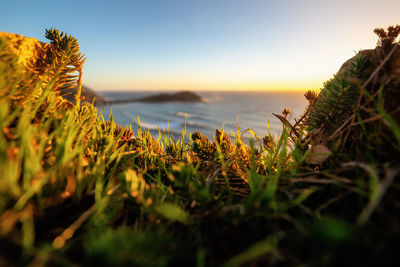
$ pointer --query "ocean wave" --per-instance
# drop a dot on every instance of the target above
(184, 114)
(161, 125)
(196, 125)
(125, 114)
(253, 110)
(210, 99)
(172, 125)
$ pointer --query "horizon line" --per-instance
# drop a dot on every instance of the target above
(208, 90)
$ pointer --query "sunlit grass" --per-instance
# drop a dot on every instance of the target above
(78, 189)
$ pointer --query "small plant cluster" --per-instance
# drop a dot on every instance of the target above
(388, 35)
(76, 189)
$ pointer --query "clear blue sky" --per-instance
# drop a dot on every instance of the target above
(207, 44)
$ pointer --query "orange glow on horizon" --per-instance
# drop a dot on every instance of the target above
(175, 85)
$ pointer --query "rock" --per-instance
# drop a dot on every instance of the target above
(369, 53)
(88, 94)
(374, 57)
(184, 96)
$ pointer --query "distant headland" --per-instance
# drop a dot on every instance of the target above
(88, 94)
(183, 96)
(91, 95)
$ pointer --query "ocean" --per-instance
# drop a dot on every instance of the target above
(221, 110)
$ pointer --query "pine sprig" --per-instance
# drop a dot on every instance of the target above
(66, 59)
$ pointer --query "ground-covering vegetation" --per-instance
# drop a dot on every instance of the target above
(76, 189)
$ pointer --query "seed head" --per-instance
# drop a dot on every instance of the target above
(310, 96)
(268, 141)
(286, 112)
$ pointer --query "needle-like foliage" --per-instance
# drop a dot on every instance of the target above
(78, 190)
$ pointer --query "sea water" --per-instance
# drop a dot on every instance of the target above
(251, 110)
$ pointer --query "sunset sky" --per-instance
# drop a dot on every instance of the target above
(207, 44)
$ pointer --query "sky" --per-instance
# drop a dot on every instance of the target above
(207, 44)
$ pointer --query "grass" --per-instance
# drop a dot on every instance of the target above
(78, 190)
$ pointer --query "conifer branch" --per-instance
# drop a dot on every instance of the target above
(66, 58)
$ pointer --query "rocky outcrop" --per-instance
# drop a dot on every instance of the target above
(88, 96)
(184, 96)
